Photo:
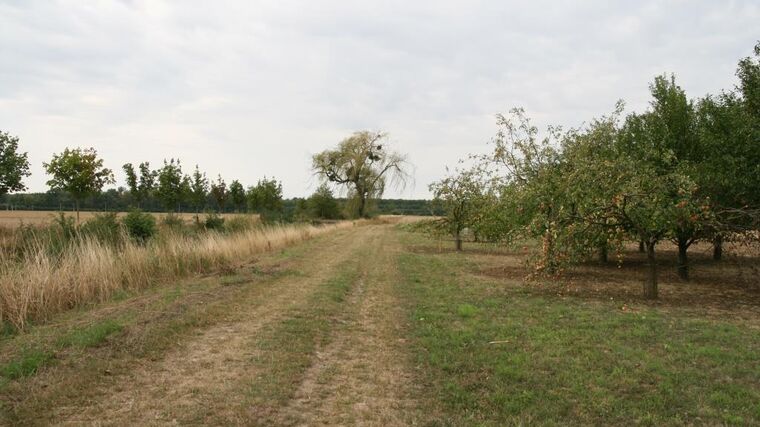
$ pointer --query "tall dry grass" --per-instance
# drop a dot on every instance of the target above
(43, 284)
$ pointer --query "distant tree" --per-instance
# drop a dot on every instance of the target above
(363, 165)
(14, 165)
(301, 209)
(322, 204)
(79, 172)
(172, 185)
(460, 196)
(187, 191)
(219, 192)
(266, 198)
(132, 182)
(147, 184)
(198, 189)
(237, 195)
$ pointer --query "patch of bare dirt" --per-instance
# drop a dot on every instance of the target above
(719, 289)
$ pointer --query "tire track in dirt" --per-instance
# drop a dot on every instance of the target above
(207, 368)
(364, 376)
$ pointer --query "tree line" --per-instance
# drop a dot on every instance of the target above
(684, 170)
(175, 189)
(78, 175)
(361, 164)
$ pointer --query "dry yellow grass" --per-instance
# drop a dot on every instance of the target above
(12, 219)
(91, 271)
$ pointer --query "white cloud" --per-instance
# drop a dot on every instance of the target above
(248, 89)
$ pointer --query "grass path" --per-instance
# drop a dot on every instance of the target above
(363, 377)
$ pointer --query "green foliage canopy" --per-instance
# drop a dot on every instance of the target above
(14, 165)
(79, 172)
(364, 165)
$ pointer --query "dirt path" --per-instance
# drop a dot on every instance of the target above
(195, 373)
(360, 377)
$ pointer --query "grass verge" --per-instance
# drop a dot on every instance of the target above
(43, 284)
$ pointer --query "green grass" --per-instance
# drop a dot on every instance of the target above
(30, 361)
(27, 364)
(91, 335)
(498, 355)
(7, 330)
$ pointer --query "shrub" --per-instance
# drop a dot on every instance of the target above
(66, 226)
(322, 204)
(214, 222)
(140, 225)
(104, 227)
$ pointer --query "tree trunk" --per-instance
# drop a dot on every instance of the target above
(362, 203)
(458, 241)
(76, 208)
(718, 247)
(603, 253)
(550, 263)
(642, 249)
(683, 259)
(650, 285)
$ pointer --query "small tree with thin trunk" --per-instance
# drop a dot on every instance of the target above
(649, 207)
(322, 204)
(79, 172)
(237, 195)
(198, 189)
(219, 192)
(528, 167)
(460, 198)
(147, 183)
(172, 186)
(266, 199)
(364, 165)
(14, 166)
(132, 182)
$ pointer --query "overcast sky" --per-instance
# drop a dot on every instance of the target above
(253, 88)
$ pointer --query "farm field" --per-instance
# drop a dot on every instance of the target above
(376, 325)
(15, 218)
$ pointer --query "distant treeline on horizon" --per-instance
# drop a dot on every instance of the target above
(114, 200)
